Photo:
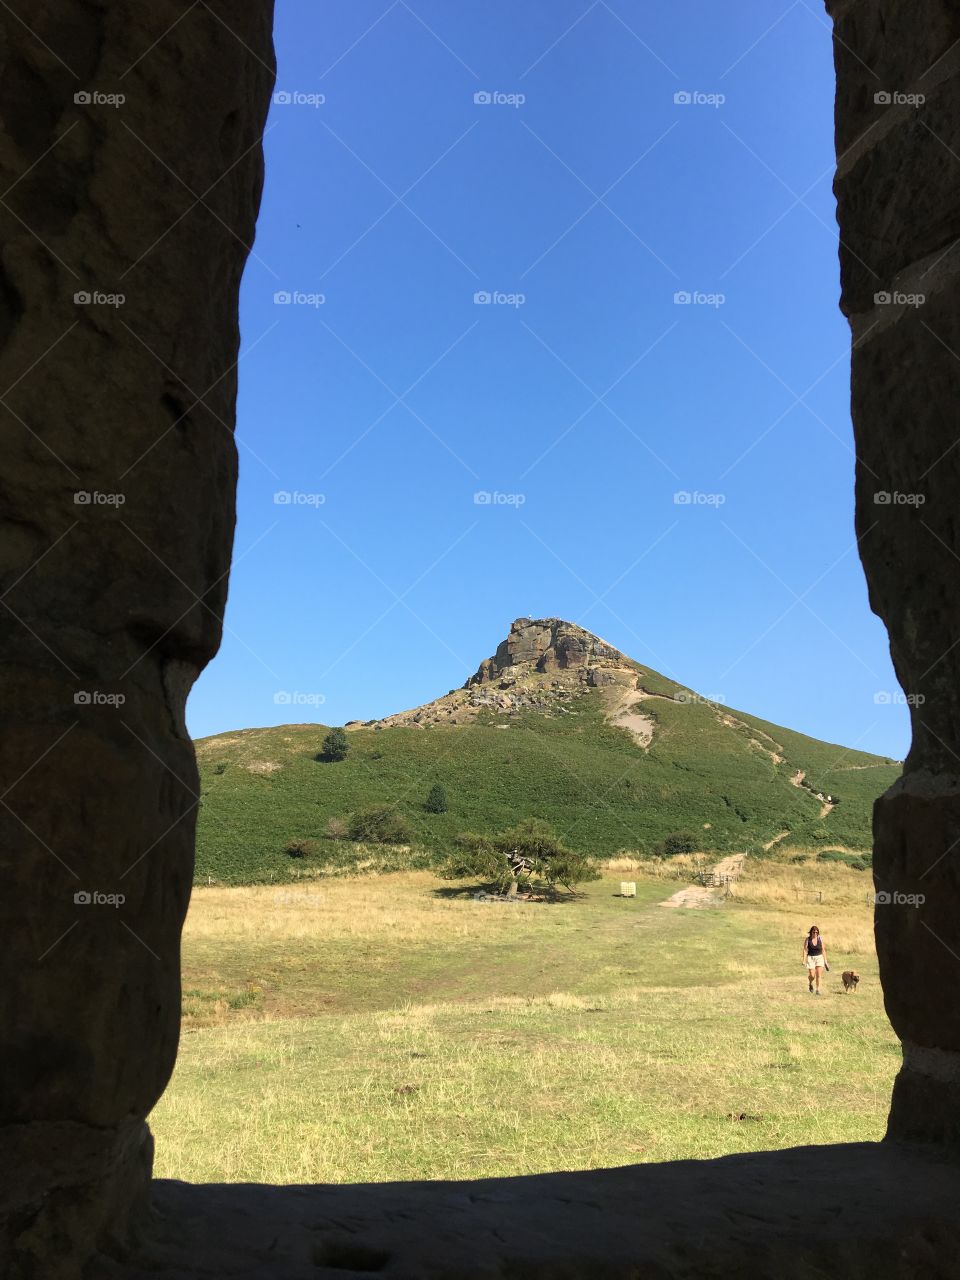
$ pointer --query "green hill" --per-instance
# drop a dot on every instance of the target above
(557, 725)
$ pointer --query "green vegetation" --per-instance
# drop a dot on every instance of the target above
(335, 746)
(436, 801)
(527, 856)
(389, 1027)
(378, 824)
(678, 842)
(724, 777)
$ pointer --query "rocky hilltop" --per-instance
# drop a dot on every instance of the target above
(542, 665)
(546, 645)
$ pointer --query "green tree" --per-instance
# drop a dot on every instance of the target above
(527, 853)
(436, 801)
(335, 746)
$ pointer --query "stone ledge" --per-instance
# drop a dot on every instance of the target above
(864, 1211)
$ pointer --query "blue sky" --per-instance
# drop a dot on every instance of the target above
(581, 196)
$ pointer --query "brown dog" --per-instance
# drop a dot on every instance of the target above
(850, 979)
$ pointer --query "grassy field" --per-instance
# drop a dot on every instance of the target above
(723, 776)
(390, 1027)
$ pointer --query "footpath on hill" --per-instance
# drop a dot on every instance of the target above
(697, 895)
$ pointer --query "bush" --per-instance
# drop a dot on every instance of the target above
(677, 842)
(436, 801)
(378, 824)
(335, 746)
(302, 848)
(220, 768)
(336, 829)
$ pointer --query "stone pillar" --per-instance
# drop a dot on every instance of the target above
(898, 192)
(130, 177)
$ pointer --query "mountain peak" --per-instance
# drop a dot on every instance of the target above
(546, 645)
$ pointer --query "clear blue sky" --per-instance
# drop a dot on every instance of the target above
(596, 399)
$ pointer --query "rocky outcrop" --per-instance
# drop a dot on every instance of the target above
(130, 166)
(542, 666)
(898, 193)
(546, 644)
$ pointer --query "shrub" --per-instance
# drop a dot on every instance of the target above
(335, 746)
(379, 823)
(436, 801)
(336, 829)
(301, 848)
(221, 767)
(677, 842)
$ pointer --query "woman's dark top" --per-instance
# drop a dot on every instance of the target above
(815, 948)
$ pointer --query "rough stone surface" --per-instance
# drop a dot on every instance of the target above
(119, 474)
(155, 198)
(548, 644)
(898, 192)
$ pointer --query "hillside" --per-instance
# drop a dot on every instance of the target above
(558, 725)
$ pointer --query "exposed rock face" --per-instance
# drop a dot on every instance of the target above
(898, 190)
(542, 665)
(546, 644)
(119, 474)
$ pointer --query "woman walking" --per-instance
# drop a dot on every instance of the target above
(815, 959)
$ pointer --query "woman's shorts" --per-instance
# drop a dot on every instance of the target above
(814, 962)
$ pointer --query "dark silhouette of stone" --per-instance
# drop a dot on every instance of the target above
(118, 486)
(125, 227)
(898, 194)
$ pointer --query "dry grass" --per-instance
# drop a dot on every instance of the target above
(681, 866)
(378, 1028)
(406, 906)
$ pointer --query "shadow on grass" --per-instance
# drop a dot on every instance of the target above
(544, 896)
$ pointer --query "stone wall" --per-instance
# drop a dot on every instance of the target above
(130, 163)
(898, 191)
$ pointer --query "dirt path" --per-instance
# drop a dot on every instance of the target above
(776, 840)
(697, 895)
(622, 714)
